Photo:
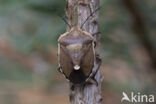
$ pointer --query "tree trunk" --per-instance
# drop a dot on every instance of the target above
(77, 12)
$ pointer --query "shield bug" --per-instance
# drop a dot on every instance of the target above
(76, 54)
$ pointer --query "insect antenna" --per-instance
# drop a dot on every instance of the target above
(90, 16)
(64, 19)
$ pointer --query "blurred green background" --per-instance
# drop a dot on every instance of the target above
(29, 30)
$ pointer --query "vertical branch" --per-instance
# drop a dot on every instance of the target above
(90, 92)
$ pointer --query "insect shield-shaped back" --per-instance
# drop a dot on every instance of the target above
(76, 55)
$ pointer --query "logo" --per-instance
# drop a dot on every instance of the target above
(137, 97)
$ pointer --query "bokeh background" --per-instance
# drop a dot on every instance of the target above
(29, 30)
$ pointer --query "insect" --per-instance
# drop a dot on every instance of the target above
(76, 55)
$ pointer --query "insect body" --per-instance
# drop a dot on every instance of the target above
(76, 55)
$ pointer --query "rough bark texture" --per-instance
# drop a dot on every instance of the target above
(77, 12)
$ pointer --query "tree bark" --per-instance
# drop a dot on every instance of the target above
(77, 12)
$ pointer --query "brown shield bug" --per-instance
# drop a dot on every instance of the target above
(76, 54)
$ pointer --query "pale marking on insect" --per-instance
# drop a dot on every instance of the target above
(74, 47)
(76, 67)
(61, 36)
